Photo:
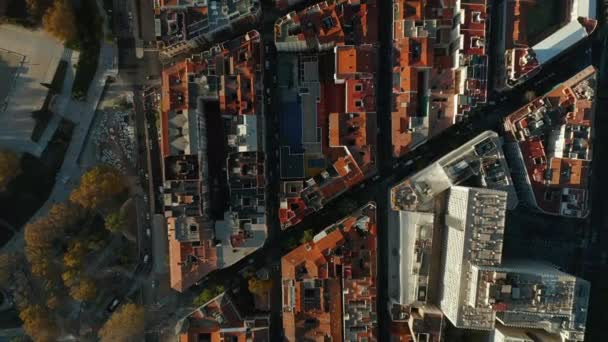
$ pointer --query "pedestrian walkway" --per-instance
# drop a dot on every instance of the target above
(71, 169)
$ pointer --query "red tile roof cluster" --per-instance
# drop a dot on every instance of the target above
(235, 67)
(238, 64)
(220, 320)
(430, 91)
(350, 143)
(327, 24)
(553, 133)
(190, 261)
(315, 277)
(175, 96)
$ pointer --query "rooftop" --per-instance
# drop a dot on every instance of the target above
(532, 294)
(220, 320)
(552, 146)
(228, 74)
(329, 283)
(481, 157)
(325, 25)
(522, 60)
(435, 84)
(475, 221)
(328, 126)
(183, 25)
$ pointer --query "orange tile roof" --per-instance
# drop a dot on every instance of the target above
(353, 60)
(318, 260)
(231, 327)
(360, 95)
(549, 174)
(184, 273)
(346, 60)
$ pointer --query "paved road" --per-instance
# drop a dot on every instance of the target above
(391, 171)
(595, 255)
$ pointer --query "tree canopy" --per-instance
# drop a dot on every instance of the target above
(37, 8)
(126, 324)
(116, 222)
(10, 167)
(38, 324)
(85, 290)
(259, 286)
(307, 236)
(208, 294)
(97, 186)
(59, 20)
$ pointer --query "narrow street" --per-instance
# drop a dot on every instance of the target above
(135, 71)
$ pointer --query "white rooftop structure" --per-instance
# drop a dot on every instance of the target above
(411, 258)
(246, 139)
(528, 294)
(568, 35)
(559, 41)
(481, 156)
(475, 226)
(503, 333)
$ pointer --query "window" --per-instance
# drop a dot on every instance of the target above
(358, 103)
(358, 87)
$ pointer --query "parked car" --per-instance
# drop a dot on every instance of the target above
(113, 304)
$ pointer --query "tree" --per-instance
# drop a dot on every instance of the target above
(60, 21)
(116, 221)
(10, 167)
(125, 325)
(259, 286)
(37, 8)
(64, 215)
(38, 324)
(307, 236)
(529, 95)
(75, 254)
(208, 294)
(85, 290)
(97, 186)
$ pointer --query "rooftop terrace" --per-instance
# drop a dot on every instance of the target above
(552, 146)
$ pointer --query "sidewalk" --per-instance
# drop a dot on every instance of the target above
(85, 111)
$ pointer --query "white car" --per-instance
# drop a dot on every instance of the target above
(148, 232)
(146, 258)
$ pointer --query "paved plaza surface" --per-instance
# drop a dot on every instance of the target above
(10, 62)
(32, 60)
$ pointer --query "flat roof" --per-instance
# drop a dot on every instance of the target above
(559, 41)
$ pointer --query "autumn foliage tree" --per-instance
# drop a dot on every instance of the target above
(38, 324)
(37, 8)
(125, 325)
(10, 167)
(41, 236)
(84, 290)
(59, 20)
(97, 186)
(259, 286)
(116, 222)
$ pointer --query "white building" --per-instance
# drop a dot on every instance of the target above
(510, 334)
(475, 221)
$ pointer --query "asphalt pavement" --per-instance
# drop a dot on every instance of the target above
(135, 71)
